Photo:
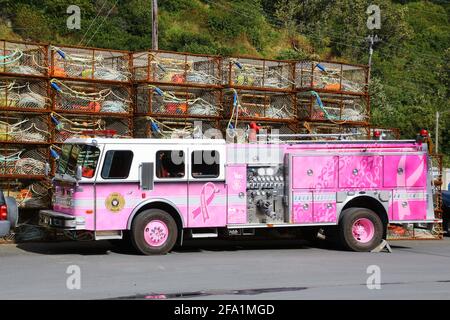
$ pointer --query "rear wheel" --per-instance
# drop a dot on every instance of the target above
(360, 229)
(154, 231)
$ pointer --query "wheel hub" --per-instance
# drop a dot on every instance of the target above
(363, 230)
(156, 233)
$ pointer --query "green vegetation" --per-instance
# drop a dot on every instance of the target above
(410, 76)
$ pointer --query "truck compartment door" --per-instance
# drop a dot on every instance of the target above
(236, 178)
(409, 205)
(314, 172)
(360, 171)
(302, 207)
(404, 171)
(324, 207)
(394, 174)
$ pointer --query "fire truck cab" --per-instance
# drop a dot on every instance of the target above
(158, 191)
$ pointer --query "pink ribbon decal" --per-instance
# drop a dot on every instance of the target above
(414, 178)
(205, 201)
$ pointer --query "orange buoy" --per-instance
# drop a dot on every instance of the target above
(333, 86)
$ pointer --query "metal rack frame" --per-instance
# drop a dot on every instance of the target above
(30, 94)
(91, 69)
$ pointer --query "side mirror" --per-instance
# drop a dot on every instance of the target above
(146, 175)
(79, 173)
(47, 169)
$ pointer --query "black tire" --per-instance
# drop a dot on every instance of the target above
(138, 230)
(348, 240)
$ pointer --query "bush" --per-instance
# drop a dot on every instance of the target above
(31, 24)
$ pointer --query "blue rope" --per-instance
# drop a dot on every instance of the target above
(320, 104)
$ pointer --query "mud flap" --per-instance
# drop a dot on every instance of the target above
(5, 226)
(13, 211)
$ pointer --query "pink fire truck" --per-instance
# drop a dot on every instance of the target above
(158, 191)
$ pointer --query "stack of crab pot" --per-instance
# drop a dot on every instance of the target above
(176, 94)
(25, 127)
(259, 94)
(91, 92)
(333, 97)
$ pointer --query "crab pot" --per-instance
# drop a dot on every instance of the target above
(71, 126)
(144, 127)
(313, 106)
(23, 59)
(122, 127)
(317, 128)
(27, 95)
(82, 97)
(177, 68)
(22, 161)
(260, 105)
(177, 101)
(24, 127)
(331, 76)
(258, 73)
(90, 63)
(28, 193)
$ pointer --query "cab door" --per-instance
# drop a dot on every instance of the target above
(115, 190)
(207, 196)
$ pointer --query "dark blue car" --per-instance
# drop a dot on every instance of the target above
(8, 214)
(446, 208)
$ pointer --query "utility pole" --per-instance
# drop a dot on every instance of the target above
(372, 40)
(155, 24)
(437, 132)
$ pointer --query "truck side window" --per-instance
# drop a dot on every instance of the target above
(87, 159)
(117, 164)
(170, 164)
(205, 164)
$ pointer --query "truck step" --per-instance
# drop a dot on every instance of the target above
(205, 233)
(108, 235)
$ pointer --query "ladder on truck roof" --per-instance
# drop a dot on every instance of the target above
(338, 138)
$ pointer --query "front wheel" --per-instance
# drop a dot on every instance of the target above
(360, 229)
(154, 231)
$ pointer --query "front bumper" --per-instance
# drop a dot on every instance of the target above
(54, 219)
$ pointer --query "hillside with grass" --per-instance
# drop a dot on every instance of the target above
(410, 74)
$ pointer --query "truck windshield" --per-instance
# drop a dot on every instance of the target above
(74, 155)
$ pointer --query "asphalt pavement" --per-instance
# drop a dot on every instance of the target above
(219, 269)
